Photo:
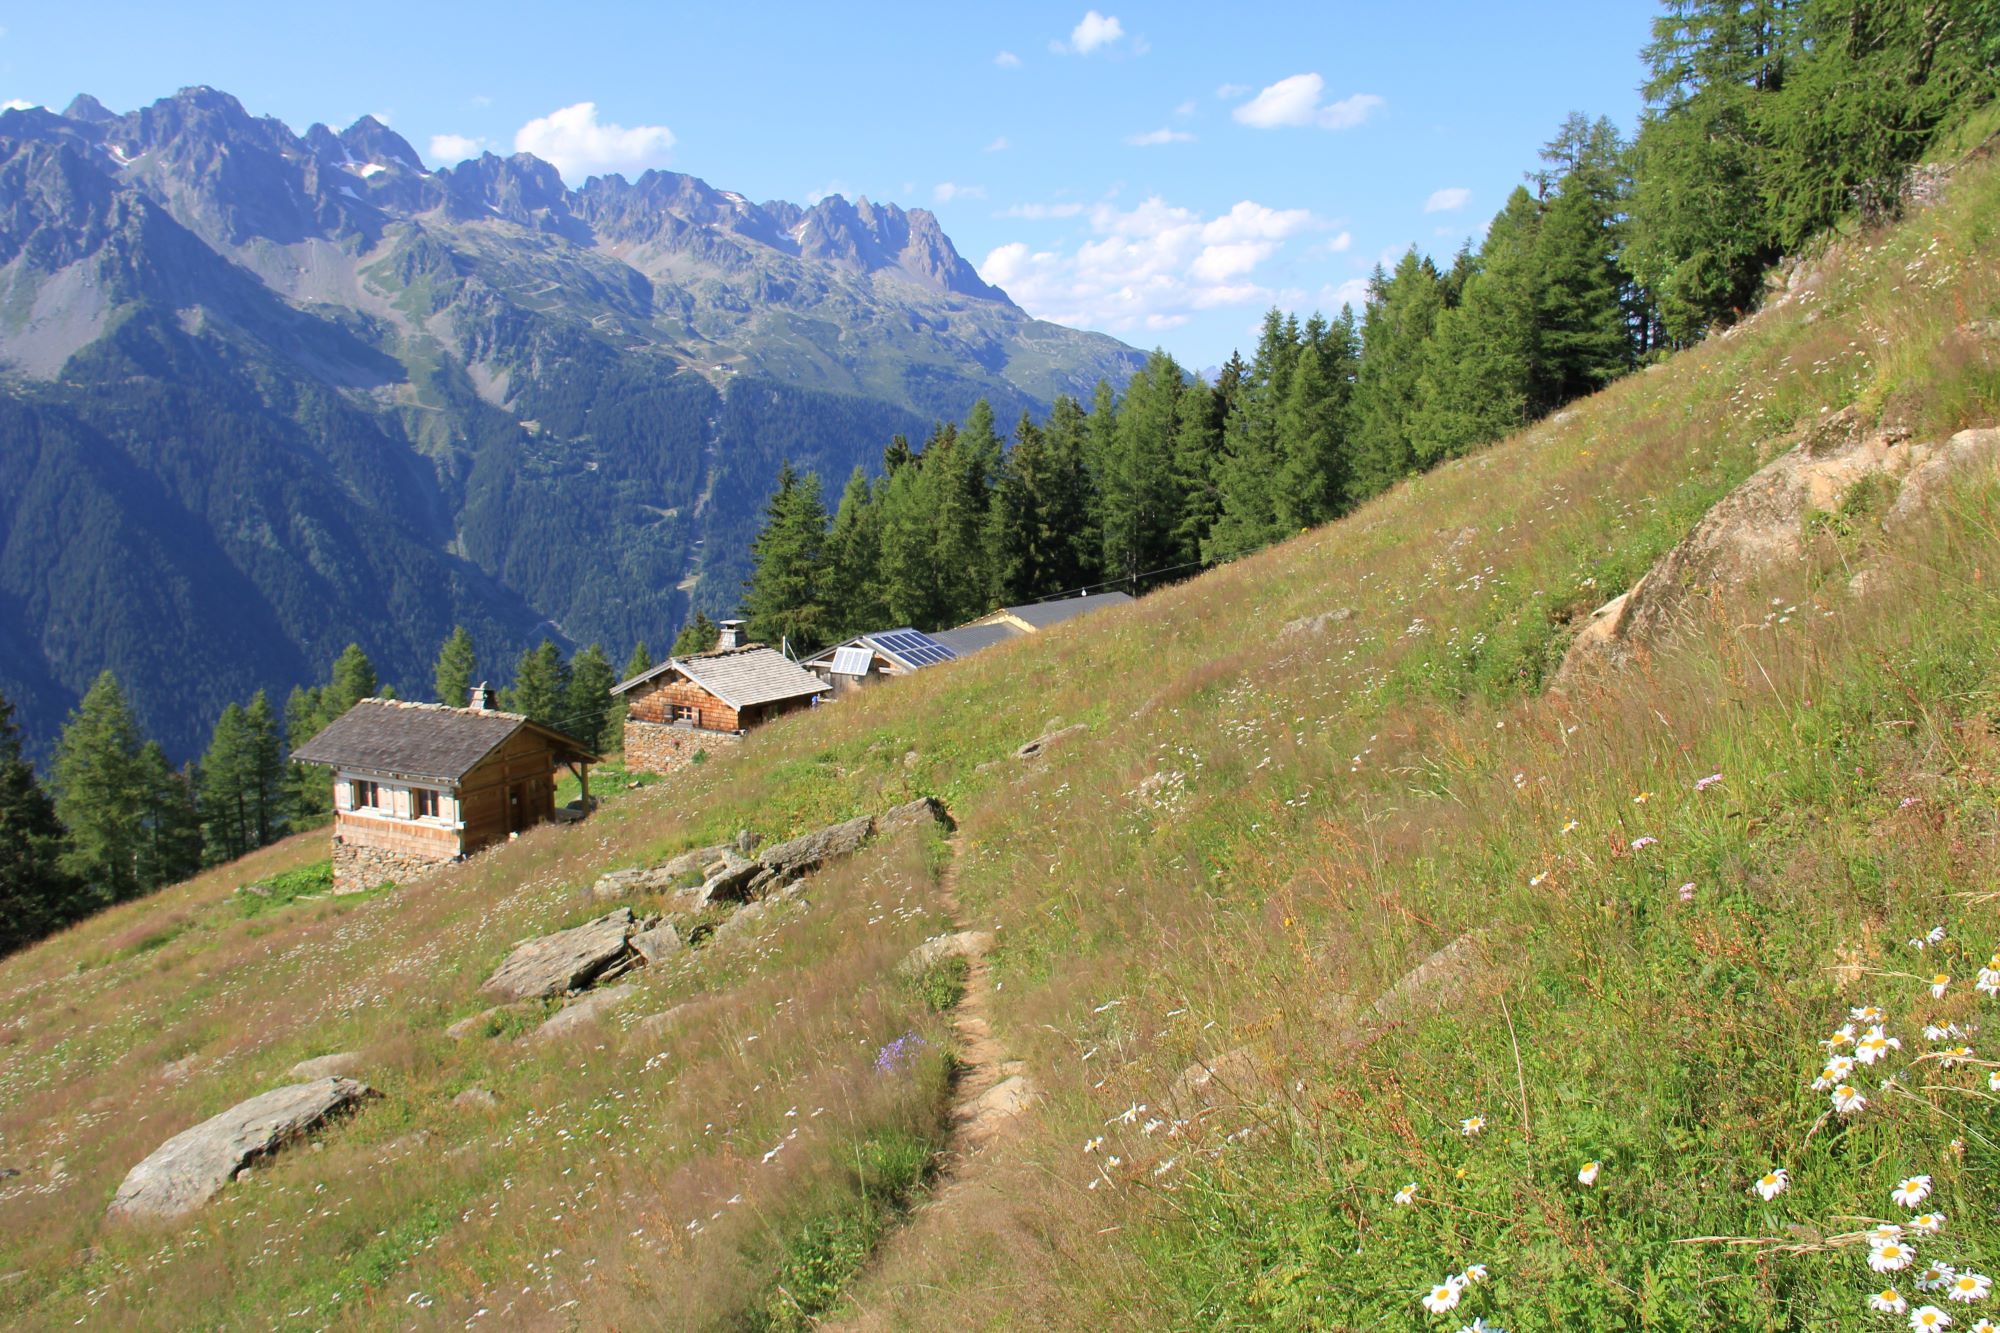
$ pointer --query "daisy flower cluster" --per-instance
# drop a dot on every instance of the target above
(1447, 1294)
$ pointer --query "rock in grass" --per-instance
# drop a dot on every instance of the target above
(566, 960)
(191, 1168)
(924, 810)
(659, 943)
(964, 944)
(588, 1009)
(327, 1066)
(788, 860)
(475, 1099)
(1042, 744)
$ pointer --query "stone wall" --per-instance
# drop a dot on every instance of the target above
(656, 747)
(357, 866)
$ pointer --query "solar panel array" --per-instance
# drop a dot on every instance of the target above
(851, 661)
(917, 649)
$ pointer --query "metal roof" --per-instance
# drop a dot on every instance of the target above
(969, 639)
(1041, 615)
(742, 677)
(424, 741)
(909, 647)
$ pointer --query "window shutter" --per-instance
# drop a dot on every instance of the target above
(343, 795)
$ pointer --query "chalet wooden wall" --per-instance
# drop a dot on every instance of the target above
(654, 702)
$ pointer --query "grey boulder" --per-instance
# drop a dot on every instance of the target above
(567, 960)
(191, 1168)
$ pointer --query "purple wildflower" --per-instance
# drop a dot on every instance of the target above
(1687, 893)
(1707, 782)
(899, 1054)
(1638, 843)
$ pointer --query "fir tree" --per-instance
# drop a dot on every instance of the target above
(353, 680)
(699, 635)
(854, 599)
(1313, 425)
(267, 751)
(1138, 508)
(228, 795)
(587, 704)
(1399, 320)
(641, 661)
(102, 796)
(36, 894)
(171, 849)
(541, 684)
(457, 664)
(784, 600)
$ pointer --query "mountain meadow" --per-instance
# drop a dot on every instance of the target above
(1528, 860)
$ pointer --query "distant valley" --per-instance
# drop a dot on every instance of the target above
(263, 393)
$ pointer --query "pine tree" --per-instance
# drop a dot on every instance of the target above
(171, 849)
(911, 591)
(1479, 366)
(641, 661)
(267, 752)
(1313, 478)
(1199, 457)
(36, 895)
(587, 705)
(228, 796)
(1137, 504)
(541, 680)
(854, 599)
(956, 474)
(1398, 322)
(699, 635)
(353, 680)
(101, 794)
(1247, 477)
(784, 600)
(457, 664)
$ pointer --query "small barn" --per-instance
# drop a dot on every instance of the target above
(700, 702)
(1033, 617)
(870, 657)
(418, 785)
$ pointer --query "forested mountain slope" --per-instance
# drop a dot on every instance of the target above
(1443, 939)
(264, 394)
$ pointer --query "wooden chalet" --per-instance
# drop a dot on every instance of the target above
(417, 785)
(697, 703)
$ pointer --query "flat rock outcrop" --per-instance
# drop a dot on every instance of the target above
(923, 810)
(960, 944)
(1049, 740)
(802, 855)
(192, 1167)
(1761, 527)
(567, 960)
(659, 943)
(581, 1012)
(1315, 624)
(327, 1066)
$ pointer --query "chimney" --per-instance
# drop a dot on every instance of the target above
(731, 636)
(481, 700)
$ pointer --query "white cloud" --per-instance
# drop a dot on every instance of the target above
(1353, 292)
(1007, 60)
(451, 149)
(1229, 92)
(1153, 138)
(16, 104)
(1148, 267)
(1185, 109)
(945, 191)
(1447, 200)
(577, 144)
(1042, 212)
(1338, 244)
(999, 145)
(1295, 101)
(479, 101)
(1093, 33)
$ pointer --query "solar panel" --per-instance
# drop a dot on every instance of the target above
(851, 661)
(919, 650)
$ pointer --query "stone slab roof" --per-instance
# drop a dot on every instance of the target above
(740, 677)
(428, 742)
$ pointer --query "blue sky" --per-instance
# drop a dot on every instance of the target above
(1163, 172)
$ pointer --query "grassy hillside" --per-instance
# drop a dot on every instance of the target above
(1259, 835)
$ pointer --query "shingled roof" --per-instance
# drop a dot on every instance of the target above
(427, 742)
(740, 677)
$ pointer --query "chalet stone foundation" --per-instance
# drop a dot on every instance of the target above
(357, 866)
(658, 747)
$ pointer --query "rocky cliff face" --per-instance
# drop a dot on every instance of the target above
(576, 398)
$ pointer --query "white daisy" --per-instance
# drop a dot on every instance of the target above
(1875, 1044)
(1847, 1100)
(1407, 1194)
(1773, 1183)
(1938, 984)
(1935, 1277)
(1883, 1233)
(1473, 1274)
(1936, 935)
(1588, 1175)
(1989, 980)
(1843, 1036)
(1970, 1287)
(1927, 1317)
(1927, 1224)
(1912, 1191)
(1867, 1013)
(1985, 1326)
(1442, 1297)
(1888, 1301)
(1472, 1125)
(1993, 1081)
(1891, 1256)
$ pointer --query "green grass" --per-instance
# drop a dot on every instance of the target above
(1256, 838)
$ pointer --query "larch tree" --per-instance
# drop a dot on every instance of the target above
(457, 667)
